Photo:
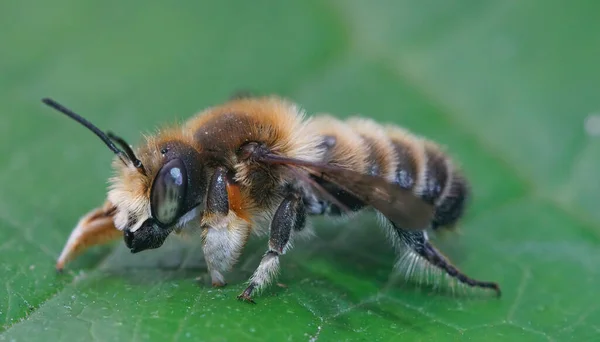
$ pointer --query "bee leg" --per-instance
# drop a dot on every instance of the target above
(420, 244)
(224, 234)
(222, 246)
(290, 215)
(96, 227)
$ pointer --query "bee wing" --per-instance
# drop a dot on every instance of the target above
(399, 205)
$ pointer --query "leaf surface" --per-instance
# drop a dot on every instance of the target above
(510, 88)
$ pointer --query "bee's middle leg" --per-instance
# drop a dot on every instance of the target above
(224, 233)
(290, 216)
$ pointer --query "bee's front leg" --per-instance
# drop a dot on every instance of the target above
(96, 227)
(224, 232)
(290, 215)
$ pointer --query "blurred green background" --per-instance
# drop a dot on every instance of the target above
(510, 87)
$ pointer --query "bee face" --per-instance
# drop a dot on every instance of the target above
(150, 205)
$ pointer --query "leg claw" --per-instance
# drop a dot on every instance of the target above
(245, 298)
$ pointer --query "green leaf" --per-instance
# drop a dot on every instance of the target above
(510, 87)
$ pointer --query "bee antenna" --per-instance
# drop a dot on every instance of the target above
(127, 149)
(87, 124)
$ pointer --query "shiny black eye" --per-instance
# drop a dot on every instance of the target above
(168, 192)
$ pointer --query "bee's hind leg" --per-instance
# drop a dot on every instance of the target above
(95, 228)
(290, 216)
(418, 243)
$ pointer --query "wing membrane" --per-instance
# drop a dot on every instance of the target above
(399, 205)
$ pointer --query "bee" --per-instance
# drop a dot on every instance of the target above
(257, 164)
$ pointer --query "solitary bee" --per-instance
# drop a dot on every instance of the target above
(258, 162)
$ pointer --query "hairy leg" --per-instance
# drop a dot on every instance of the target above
(290, 216)
(224, 232)
(95, 228)
(424, 254)
(222, 246)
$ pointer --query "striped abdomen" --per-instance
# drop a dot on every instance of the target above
(403, 158)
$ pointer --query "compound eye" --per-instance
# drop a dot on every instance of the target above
(168, 192)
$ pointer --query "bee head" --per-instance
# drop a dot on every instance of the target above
(158, 188)
(166, 197)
